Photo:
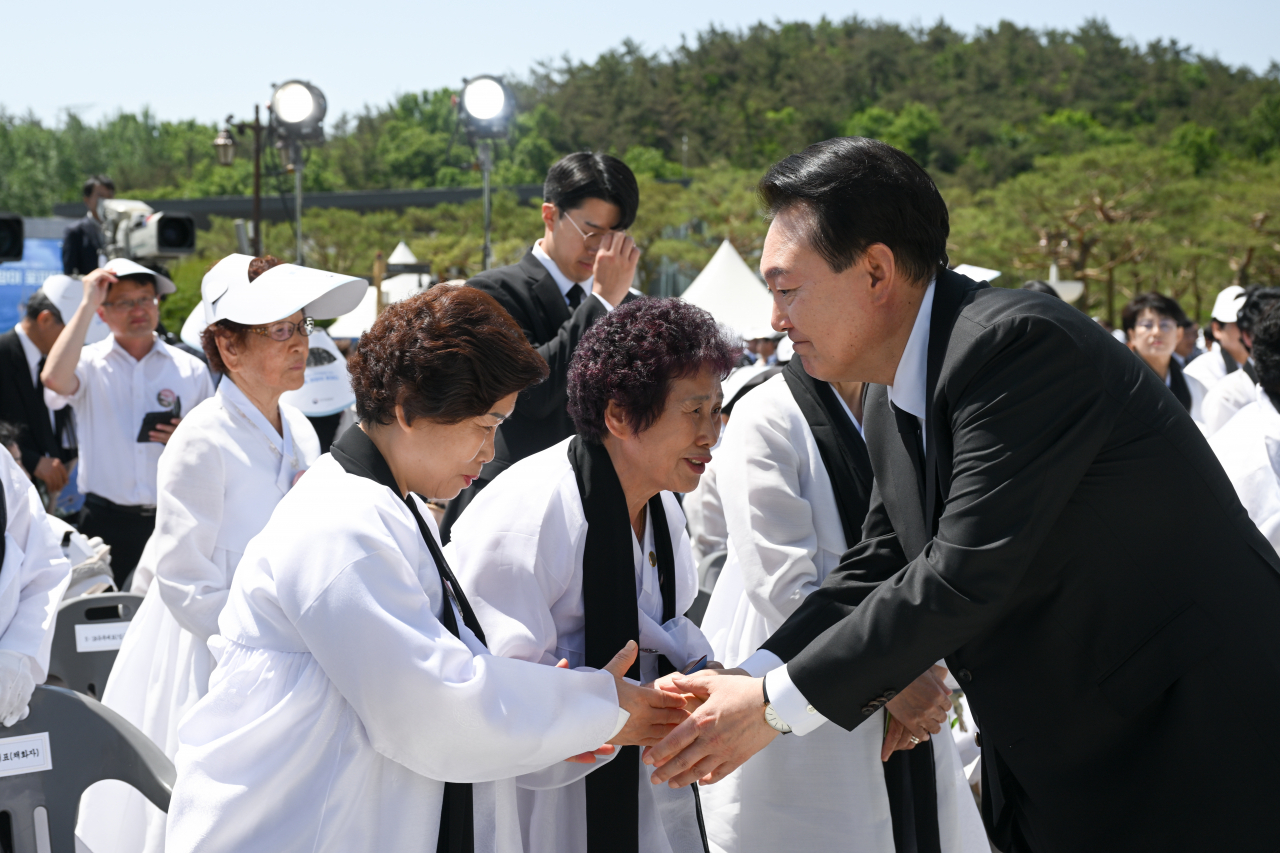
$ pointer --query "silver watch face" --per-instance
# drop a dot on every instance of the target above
(771, 717)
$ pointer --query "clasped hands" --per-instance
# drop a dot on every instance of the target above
(655, 709)
(727, 726)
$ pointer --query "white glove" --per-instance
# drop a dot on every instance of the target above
(16, 686)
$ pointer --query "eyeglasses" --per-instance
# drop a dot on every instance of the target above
(284, 330)
(588, 236)
(1165, 326)
(130, 304)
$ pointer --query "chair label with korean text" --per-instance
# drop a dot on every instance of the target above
(100, 636)
(25, 754)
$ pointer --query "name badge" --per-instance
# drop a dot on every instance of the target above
(25, 754)
(100, 636)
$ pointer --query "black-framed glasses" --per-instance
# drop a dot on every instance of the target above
(283, 330)
(130, 304)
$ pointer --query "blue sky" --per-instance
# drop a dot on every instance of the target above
(194, 60)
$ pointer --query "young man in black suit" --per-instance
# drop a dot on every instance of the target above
(581, 269)
(45, 454)
(1116, 640)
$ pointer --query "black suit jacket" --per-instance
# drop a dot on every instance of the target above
(1081, 560)
(533, 298)
(22, 403)
(81, 244)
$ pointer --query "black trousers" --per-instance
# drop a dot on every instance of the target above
(125, 528)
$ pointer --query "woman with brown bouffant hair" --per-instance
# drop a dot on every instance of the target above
(355, 705)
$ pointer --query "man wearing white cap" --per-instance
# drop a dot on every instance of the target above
(129, 391)
(1230, 351)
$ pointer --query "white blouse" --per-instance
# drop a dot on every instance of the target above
(517, 551)
(220, 478)
(1249, 449)
(824, 790)
(341, 704)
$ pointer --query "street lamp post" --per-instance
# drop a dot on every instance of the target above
(486, 110)
(225, 145)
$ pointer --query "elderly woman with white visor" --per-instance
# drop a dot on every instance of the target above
(227, 466)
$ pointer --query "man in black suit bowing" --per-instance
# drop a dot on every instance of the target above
(47, 442)
(1117, 641)
(581, 269)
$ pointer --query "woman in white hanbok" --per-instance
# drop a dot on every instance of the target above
(781, 489)
(354, 706)
(227, 466)
(582, 546)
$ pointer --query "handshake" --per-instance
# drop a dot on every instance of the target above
(701, 727)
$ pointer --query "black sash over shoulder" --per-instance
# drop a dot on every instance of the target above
(609, 607)
(909, 776)
(360, 457)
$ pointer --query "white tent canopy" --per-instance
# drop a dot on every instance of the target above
(731, 292)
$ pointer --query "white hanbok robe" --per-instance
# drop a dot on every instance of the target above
(34, 574)
(1223, 400)
(340, 702)
(517, 551)
(824, 791)
(220, 478)
(1249, 449)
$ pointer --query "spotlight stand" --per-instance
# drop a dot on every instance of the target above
(484, 150)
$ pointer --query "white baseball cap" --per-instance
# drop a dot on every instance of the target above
(124, 266)
(276, 294)
(67, 293)
(1226, 308)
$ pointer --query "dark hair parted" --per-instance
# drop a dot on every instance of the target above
(446, 355)
(38, 304)
(1266, 350)
(97, 181)
(230, 329)
(859, 192)
(634, 354)
(583, 175)
(1156, 302)
(1257, 301)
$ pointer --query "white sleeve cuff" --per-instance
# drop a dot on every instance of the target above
(789, 703)
(623, 716)
(603, 302)
(761, 663)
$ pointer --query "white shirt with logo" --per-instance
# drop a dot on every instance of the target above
(116, 392)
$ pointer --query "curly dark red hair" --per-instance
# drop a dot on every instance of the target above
(634, 354)
(447, 355)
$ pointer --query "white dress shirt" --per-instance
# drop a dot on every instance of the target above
(517, 551)
(116, 391)
(908, 392)
(34, 574)
(562, 281)
(1209, 369)
(340, 701)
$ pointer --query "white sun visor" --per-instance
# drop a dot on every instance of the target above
(276, 294)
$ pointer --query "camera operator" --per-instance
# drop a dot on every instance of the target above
(84, 243)
(129, 392)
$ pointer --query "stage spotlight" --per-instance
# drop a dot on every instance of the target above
(486, 108)
(297, 111)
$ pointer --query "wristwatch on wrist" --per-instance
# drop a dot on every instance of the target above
(771, 716)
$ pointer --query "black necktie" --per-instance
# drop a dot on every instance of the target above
(574, 296)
